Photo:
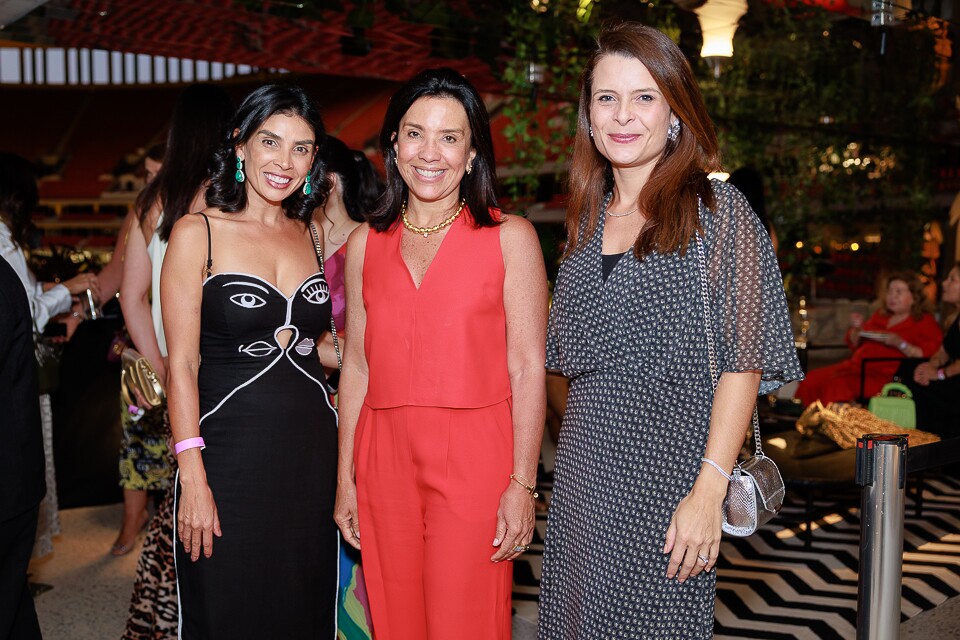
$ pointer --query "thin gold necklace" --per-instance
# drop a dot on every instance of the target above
(426, 231)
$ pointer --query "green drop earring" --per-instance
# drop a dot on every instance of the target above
(307, 189)
(239, 175)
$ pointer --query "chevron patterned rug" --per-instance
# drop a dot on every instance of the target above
(769, 586)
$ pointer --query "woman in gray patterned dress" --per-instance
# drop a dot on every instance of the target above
(634, 526)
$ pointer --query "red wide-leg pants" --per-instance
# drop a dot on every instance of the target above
(429, 482)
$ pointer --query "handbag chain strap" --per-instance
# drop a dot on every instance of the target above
(333, 325)
(711, 348)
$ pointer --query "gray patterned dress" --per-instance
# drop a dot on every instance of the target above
(637, 418)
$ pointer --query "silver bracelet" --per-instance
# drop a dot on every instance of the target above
(718, 468)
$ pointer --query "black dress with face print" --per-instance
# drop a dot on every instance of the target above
(270, 459)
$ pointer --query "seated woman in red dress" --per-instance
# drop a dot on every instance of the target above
(901, 328)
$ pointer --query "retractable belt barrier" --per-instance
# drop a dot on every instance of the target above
(882, 466)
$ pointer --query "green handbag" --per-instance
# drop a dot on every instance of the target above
(898, 409)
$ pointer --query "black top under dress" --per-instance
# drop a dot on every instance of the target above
(270, 460)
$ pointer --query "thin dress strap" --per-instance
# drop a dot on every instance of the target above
(209, 245)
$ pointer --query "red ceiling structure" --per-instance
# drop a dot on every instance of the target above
(353, 89)
(224, 31)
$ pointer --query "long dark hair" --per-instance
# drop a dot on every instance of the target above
(197, 127)
(669, 199)
(359, 182)
(230, 196)
(18, 196)
(477, 188)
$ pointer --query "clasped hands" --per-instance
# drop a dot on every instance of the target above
(924, 374)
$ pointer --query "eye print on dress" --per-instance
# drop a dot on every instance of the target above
(316, 291)
(305, 346)
(247, 300)
(258, 349)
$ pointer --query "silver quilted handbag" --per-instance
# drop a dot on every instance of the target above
(755, 493)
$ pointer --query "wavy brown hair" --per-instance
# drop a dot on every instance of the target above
(913, 282)
(670, 198)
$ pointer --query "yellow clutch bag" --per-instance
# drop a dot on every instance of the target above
(139, 381)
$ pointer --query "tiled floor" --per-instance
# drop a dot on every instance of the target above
(91, 589)
(942, 622)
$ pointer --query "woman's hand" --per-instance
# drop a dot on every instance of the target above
(892, 340)
(345, 513)
(197, 519)
(162, 369)
(72, 320)
(515, 521)
(856, 326)
(693, 537)
(80, 283)
(924, 374)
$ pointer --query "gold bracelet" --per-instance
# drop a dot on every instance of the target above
(531, 488)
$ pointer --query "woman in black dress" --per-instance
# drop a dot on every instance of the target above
(245, 307)
(935, 383)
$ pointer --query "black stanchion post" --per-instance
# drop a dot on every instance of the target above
(881, 471)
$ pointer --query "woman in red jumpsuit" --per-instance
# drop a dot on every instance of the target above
(899, 329)
(441, 401)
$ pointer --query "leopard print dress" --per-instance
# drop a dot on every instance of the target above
(153, 606)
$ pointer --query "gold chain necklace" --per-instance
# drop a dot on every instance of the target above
(426, 231)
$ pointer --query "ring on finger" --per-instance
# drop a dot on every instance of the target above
(703, 559)
(520, 548)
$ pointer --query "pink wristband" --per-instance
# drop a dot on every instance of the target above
(189, 443)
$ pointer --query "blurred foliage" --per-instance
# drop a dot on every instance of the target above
(837, 117)
(552, 39)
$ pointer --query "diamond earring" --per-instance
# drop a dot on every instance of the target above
(591, 130)
(673, 131)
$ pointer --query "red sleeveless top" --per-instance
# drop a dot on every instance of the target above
(445, 344)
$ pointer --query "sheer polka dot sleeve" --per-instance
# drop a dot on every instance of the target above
(748, 307)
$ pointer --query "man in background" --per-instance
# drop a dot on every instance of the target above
(22, 483)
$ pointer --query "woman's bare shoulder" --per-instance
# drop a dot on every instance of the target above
(517, 233)
(190, 229)
(358, 238)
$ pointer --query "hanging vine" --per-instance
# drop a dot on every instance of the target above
(550, 40)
